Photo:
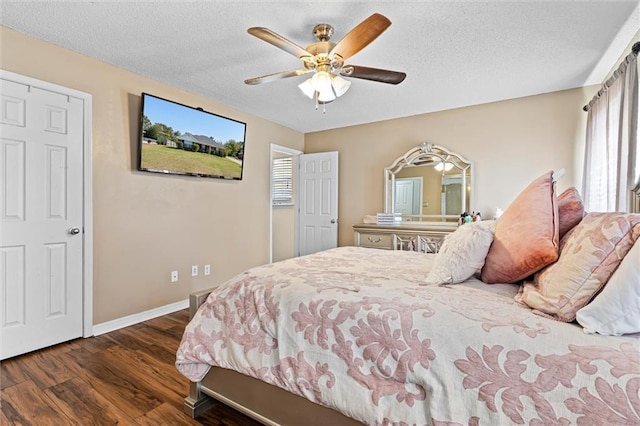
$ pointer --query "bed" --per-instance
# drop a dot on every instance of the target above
(356, 332)
(531, 319)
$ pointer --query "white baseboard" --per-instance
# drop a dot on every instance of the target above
(133, 319)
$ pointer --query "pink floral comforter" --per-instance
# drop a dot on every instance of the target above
(352, 329)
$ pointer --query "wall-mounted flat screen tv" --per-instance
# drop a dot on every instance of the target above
(178, 139)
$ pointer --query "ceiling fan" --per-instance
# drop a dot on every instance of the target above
(325, 59)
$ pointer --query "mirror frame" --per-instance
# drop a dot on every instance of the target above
(428, 153)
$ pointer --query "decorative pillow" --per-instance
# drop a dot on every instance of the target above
(589, 254)
(570, 210)
(526, 237)
(462, 253)
(616, 310)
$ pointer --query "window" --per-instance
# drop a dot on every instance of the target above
(612, 156)
(282, 181)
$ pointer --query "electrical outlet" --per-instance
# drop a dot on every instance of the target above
(174, 276)
(194, 271)
(207, 269)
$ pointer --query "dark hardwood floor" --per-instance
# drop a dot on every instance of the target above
(123, 377)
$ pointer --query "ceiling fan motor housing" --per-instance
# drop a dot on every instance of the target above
(323, 32)
(321, 50)
(321, 61)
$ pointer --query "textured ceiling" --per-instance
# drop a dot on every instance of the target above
(455, 53)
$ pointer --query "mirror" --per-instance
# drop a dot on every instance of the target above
(429, 183)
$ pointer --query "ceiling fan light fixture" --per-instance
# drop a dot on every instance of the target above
(326, 96)
(321, 81)
(307, 88)
(340, 85)
(443, 166)
(324, 86)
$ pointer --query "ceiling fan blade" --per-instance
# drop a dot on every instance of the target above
(360, 36)
(278, 41)
(276, 76)
(373, 74)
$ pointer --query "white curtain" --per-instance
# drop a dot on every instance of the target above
(612, 157)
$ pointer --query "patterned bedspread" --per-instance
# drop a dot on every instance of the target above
(352, 329)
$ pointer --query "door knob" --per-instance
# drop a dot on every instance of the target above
(333, 221)
(74, 231)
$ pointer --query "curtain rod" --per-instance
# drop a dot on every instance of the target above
(635, 49)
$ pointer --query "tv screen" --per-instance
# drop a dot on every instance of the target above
(178, 139)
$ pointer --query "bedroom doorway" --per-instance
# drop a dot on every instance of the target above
(309, 223)
(283, 212)
(45, 214)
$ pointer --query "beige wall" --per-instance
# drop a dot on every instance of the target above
(146, 225)
(284, 235)
(510, 143)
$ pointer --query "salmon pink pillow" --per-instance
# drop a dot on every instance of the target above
(570, 210)
(526, 236)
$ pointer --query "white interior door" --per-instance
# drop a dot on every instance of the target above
(404, 197)
(41, 209)
(408, 198)
(318, 202)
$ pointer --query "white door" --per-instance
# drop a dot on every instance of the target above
(318, 202)
(408, 196)
(41, 167)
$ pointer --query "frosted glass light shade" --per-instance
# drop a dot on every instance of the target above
(340, 85)
(326, 95)
(443, 166)
(307, 88)
(326, 86)
(321, 81)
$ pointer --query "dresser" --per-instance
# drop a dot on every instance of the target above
(425, 237)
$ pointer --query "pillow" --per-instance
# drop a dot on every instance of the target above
(526, 237)
(616, 310)
(570, 210)
(589, 254)
(462, 253)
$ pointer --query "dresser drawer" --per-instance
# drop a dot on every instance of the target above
(420, 237)
(372, 240)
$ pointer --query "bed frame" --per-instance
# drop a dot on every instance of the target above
(268, 404)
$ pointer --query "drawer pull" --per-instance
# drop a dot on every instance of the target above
(371, 240)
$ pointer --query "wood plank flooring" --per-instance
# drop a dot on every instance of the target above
(124, 377)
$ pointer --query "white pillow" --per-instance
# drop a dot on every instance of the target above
(616, 310)
(462, 253)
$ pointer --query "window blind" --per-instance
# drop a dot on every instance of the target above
(282, 181)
